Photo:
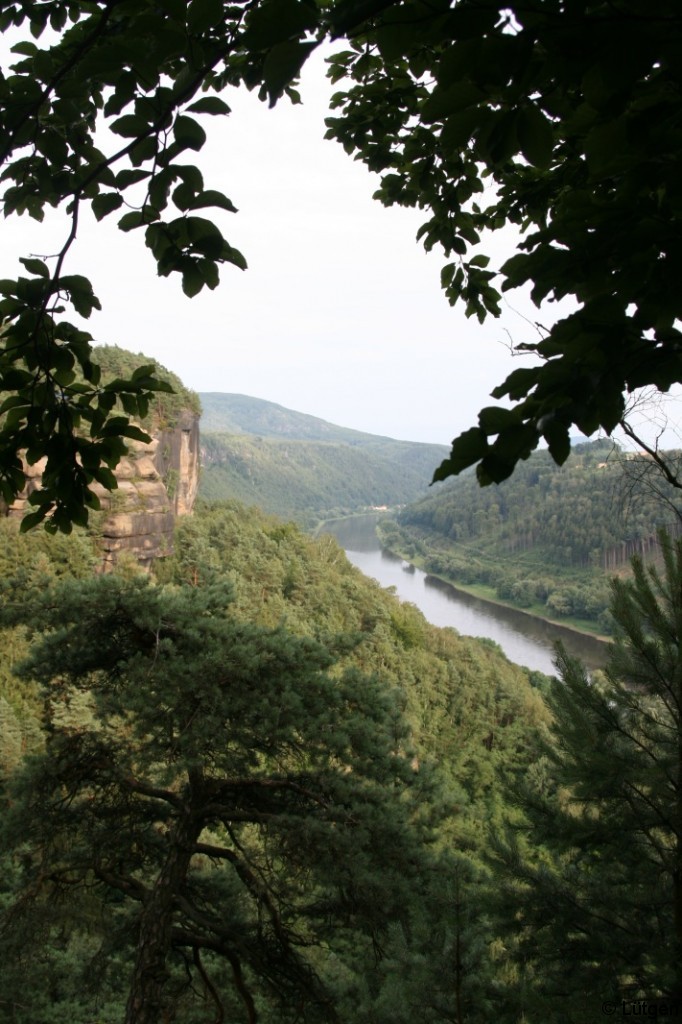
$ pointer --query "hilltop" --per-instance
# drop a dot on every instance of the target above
(242, 414)
(300, 466)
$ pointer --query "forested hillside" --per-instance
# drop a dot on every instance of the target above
(547, 539)
(266, 667)
(302, 467)
(253, 786)
(249, 786)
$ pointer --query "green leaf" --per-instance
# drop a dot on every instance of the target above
(183, 196)
(467, 449)
(146, 370)
(26, 49)
(282, 66)
(231, 255)
(519, 383)
(81, 294)
(128, 176)
(209, 271)
(136, 433)
(145, 149)
(35, 266)
(106, 202)
(14, 402)
(459, 129)
(558, 441)
(188, 133)
(608, 149)
(444, 103)
(154, 384)
(58, 19)
(536, 136)
(446, 275)
(209, 105)
(204, 14)
(204, 237)
(494, 419)
(131, 220)
(272, 22)
(106, 478)
(130, 126)
(493, 470)
(396, 40)
(33, 519)
(515, 442)
(64, 377)
(611, 407)
(114, 425)
(15, 379)
(211, 198)
(177, 9)
(192, 281)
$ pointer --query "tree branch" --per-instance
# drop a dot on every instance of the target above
(209, 986)
(653, 453)
(146, 789)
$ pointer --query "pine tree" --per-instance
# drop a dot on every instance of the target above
(246, 808)
(594, 879)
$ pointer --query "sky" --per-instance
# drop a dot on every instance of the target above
(340, 314)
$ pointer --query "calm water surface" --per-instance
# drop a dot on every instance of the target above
(525, 640)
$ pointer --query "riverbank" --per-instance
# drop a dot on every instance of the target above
(322, 524)
(488, 596)
(484, 593)
(526, 639)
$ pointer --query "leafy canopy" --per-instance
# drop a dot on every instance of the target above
(579, 148)
(488, 114)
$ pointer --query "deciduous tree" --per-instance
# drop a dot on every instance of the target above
(579, 146)
(487, 114)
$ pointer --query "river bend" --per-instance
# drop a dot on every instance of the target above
(525, 639)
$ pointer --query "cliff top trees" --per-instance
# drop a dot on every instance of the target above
(580, 147)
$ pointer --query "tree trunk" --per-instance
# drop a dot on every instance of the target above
(146, 1001)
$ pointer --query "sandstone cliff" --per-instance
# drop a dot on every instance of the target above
(156, 482)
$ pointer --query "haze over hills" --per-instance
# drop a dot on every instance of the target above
(241, 414)
(300, 466)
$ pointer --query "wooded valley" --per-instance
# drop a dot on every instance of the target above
(302, 467)
(549, 539)
(248, 785)
(253, 786)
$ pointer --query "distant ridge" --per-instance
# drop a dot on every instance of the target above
(302, 467)
(241, 414)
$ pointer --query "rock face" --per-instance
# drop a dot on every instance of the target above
(156, 482)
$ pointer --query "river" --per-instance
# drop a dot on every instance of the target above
(524, 639)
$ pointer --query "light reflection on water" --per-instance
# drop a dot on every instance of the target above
(524, 639)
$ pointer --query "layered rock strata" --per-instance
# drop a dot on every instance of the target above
(156, 482)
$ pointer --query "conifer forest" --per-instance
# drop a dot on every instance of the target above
(254, 786)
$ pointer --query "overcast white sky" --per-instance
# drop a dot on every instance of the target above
(340, 313)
